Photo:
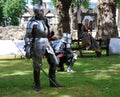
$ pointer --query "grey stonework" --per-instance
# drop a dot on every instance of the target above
(12, 32)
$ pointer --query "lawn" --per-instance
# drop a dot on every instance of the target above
(94, 77)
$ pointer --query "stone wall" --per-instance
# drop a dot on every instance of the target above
(12, 32)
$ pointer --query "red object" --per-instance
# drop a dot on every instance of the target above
(50, 37)
(35, 26)
(61, 55)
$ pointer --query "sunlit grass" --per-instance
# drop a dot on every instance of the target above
(16, 73)
(94, 77)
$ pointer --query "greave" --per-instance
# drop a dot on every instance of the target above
(72, 61)
(52, 76)
(37, 78)
(61, 64)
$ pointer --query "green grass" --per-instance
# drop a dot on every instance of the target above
(94, 77)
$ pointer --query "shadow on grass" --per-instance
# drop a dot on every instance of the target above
(94, 77)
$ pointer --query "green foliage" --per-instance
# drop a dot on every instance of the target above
(37, 1)
(84, 3)
(79, 3)
(13, 9)
(54, 2)
(117, 1)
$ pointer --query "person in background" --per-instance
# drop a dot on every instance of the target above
(87, 40)
(37, 45)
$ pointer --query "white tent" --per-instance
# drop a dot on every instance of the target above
(114, 46)
(16, 47)
(9, 47)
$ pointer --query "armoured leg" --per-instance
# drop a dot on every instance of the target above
(36, 80)
(52, 71)
(36, 76)
(61, 64)
(71, 62)
(69, 69)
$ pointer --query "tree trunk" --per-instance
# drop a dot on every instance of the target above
(118, 16)
(63, 17)
(106, 19)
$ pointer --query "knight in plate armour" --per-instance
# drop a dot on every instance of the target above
(37, 45)
(62, 48)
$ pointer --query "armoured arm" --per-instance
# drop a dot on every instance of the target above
(29, 39)
(47, 24)
(29, 32)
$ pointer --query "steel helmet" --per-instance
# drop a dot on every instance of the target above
(66, 38)
(37, 8)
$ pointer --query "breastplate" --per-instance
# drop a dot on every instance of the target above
(40, 31)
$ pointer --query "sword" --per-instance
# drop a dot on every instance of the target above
(37, 63)
(18, 48)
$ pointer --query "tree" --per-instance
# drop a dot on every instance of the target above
(63, 10)
(64, 19)
(107, 27)
(1, 11)
(13, 9)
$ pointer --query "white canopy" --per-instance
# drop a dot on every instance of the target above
(16, 47)
(9, 47)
